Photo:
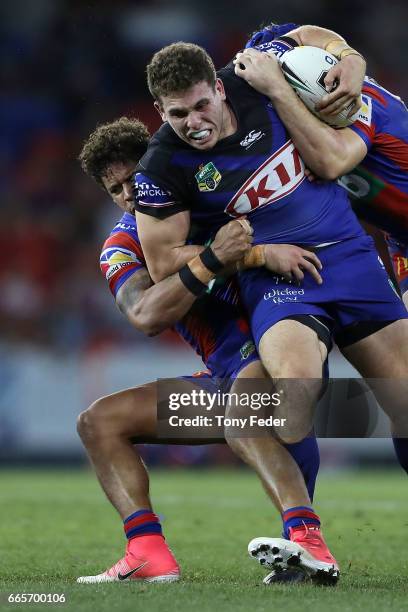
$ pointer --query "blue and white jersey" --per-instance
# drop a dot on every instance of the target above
(256, 171)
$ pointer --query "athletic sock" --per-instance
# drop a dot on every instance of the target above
(142, 523)
(306, 454)
(401, 450)
(298, 516)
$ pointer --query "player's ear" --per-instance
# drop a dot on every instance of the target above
(219, 87)
(161, 112)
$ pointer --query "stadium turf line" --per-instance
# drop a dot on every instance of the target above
(56, 526)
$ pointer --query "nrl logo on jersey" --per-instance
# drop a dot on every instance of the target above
(247, 349)
(251, 138)
(208, 177)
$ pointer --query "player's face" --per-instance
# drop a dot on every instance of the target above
(118, 182)
(200, 116)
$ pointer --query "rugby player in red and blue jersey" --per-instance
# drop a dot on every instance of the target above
(213, 325)
(224, 152)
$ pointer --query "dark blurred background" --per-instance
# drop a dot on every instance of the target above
(65, 67)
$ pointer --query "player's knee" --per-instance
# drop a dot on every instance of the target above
(291, 436)
(91, 422)
(299, 371)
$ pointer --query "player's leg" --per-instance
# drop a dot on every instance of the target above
(280, 475)
(287, 472)
(108, 429)
(373, 333)
(293, 355)
(382, 358)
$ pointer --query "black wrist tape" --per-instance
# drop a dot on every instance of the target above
(211, 261)
(191, 282)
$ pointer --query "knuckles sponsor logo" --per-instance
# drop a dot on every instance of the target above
(144, 189)
(281, 296)
(250, 138)
(278, 176)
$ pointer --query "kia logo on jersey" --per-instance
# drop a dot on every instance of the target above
(278, 176)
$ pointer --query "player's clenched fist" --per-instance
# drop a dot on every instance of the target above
(261, 70)
(232, 241)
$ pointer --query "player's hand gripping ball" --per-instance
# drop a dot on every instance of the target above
(305, 68)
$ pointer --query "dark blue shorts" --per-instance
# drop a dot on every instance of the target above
(356, 293)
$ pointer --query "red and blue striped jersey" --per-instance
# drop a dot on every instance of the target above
(380, 182)
(215, 326)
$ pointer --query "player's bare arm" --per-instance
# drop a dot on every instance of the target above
(163, 243)
(348, 73)
(153, 308)
(328, 152)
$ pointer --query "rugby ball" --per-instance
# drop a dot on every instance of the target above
(305, 68)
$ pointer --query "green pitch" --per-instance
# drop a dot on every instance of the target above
(57, 525)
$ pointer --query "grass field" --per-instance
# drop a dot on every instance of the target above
(57, 525)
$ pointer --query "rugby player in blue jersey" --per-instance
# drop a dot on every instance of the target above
(377, 141)
(224, 152)
(214, 326)
(371, 156)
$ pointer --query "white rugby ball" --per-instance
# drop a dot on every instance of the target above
(305, 68)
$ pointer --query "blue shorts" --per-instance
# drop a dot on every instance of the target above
(399, 256)
(233, 353)
(356, 293)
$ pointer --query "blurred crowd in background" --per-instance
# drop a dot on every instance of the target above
(67, 65)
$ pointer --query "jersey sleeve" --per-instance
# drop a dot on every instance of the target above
(120, 258)
(369, 119)
(263, 38)
(152, 199)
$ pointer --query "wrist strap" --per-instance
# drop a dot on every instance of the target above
(350, 51)
(191, 282)
(340, 49)
(210, 260)
(255, 258)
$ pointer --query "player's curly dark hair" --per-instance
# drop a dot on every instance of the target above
(122, 140)
(178, 67)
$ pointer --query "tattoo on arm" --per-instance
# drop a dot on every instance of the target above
(132, 290)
